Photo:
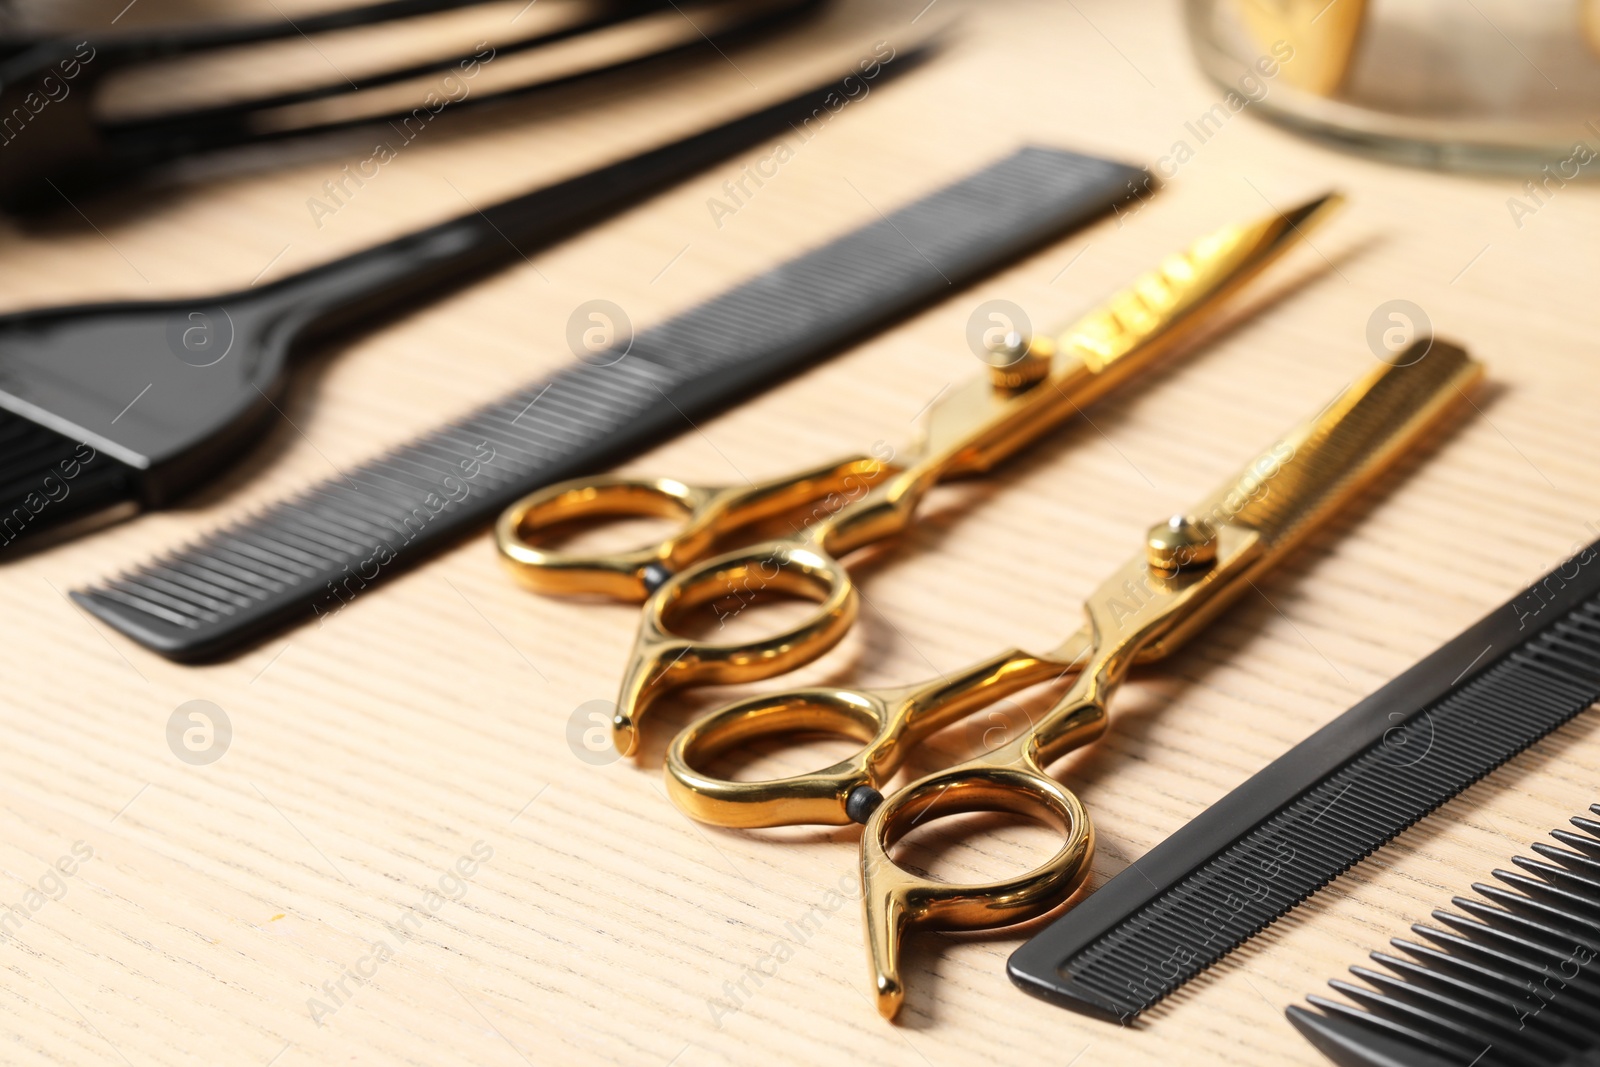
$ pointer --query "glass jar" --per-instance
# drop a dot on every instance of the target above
(1472, 84)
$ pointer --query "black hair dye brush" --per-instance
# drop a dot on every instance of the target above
(141, 402)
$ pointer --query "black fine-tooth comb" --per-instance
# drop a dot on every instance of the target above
(55, 141)
(143, 401)
(1513, 982)
(1292, 828)
(305, 557)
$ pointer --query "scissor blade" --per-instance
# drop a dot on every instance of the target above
(1283, 495)
(977, 424)
(1162, 305)
(1296, 485)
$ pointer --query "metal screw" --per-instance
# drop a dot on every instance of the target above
(1181, 544)
(1018, 362)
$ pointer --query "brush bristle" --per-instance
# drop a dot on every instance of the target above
(47, 479)
(31, 452)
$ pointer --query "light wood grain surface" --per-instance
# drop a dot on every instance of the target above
(426, 725)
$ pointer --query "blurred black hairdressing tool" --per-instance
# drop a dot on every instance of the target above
(164, 394)
(55, 143)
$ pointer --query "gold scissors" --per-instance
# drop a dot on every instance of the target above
(1190, 568)
(863, 499)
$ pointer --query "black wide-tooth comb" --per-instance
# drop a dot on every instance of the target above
(143, 401)
(1515, 982)
(56, 143)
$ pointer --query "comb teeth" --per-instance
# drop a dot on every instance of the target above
(330, 541)
(1474, 727)
(1368, 419)
(1517, 983)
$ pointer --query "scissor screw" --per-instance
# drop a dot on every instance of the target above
(1018, 362)
(1181, 544)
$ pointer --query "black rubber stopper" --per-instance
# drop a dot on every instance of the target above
(655, 576)
(862, 802)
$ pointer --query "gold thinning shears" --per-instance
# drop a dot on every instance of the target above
(860, 500)
(1190, 568)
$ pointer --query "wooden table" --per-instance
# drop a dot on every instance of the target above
(401, 859)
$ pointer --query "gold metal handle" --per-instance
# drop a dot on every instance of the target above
(664, 660)
(709, 514)
(622, 575)
(895, 901)
(1010, 778)
(831, 796)
(888, 722)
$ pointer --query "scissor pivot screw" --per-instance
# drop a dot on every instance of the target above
(1181, 544)
(1018, 362)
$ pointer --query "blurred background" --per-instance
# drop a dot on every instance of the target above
(112, 90)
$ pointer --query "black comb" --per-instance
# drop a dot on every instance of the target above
(1512, 980)
(153, 398)
(305, 557)
(1334, 798)
(64, 147)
